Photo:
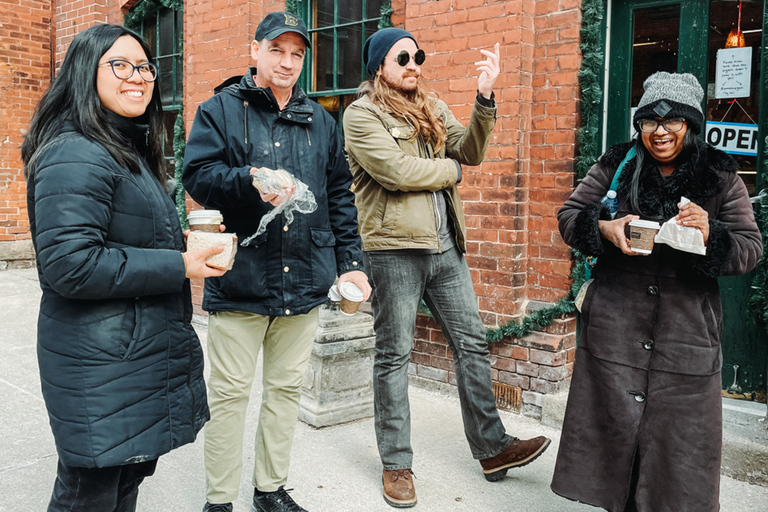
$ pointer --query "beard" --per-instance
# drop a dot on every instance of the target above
(399, 84)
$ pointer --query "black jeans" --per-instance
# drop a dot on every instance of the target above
(112, 489)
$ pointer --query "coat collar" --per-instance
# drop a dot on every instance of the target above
(699, 178)
(299, 108)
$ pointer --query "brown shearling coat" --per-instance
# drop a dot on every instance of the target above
(643, 422)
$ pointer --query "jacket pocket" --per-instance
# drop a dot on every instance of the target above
(323, 259)
(128, 346)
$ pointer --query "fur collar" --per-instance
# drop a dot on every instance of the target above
(699, 179)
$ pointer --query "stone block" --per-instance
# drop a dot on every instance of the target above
(338, 384)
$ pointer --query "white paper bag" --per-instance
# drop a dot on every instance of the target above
(682, 238)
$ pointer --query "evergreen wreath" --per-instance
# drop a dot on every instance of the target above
(135, 17)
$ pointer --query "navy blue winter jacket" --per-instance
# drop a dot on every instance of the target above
(120, 364)
(288, 269)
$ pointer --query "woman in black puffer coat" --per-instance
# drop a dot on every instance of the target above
(120, 364)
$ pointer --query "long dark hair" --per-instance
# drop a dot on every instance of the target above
(73, 99)
(691, 145)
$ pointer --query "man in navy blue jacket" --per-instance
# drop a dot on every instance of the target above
(271, 296)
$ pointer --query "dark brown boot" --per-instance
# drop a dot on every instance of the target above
(517, 454)
(398, 488)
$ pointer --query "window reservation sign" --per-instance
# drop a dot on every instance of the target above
(733, 138)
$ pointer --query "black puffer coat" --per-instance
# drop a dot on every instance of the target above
(120, 364)
(288, 269)
(644, 409)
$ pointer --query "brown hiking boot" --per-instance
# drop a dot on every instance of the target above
(398, 488)
(517, 454)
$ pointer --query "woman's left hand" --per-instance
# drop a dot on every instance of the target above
(694, 216)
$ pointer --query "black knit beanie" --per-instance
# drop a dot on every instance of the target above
(377, 46)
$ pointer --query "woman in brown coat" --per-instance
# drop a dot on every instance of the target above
(643, 424)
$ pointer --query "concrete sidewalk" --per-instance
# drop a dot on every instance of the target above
(334, 469)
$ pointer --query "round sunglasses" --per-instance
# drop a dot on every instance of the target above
(403, 58)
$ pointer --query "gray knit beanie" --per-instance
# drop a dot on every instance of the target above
(670, 95)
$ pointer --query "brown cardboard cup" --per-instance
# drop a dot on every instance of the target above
(205, 220)
(641, 235)
(351, 298)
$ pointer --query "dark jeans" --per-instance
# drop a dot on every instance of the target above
(112, 489)
(400, 280)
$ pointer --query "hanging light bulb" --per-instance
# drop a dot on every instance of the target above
(736, 36)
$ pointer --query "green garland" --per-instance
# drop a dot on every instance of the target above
(386, 15)
(179, 145)
(135, 17)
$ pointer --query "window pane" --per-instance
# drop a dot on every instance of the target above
(350, 56)
(150, 33)
(323, 53)
(732, 122)
(166, 32)
(350, 10)
(323, 13)
(166, 79)
(654, 44)
(373, 8)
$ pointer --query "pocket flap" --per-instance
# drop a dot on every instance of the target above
(323, 237)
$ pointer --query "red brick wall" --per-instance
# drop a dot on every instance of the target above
(74, 16)
(554, 120)
(25, 71)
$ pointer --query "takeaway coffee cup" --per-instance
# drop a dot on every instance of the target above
(205, 220)
(641, 235)
(351, 298)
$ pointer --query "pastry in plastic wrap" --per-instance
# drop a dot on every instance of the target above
(272, 181)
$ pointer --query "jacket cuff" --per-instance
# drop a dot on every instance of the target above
(485, 102)
(586, 231)
(458, 171)
(719, 249)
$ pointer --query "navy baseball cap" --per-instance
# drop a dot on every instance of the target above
(276, 23)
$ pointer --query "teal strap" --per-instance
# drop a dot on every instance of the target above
(630, 156)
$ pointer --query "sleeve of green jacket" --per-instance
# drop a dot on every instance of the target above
(468, 145)
(370, 144)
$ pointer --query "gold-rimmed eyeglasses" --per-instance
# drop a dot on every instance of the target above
(124, 69)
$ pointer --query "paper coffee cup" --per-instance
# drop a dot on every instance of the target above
(641, 235)
(351, 298)
(205, 220)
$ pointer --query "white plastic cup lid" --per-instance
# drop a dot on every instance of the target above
(351, 292)
(333, 294)
(205, 217)
(639, 223)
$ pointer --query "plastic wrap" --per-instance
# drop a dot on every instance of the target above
(280, 182)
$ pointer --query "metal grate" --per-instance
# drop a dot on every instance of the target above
(509, 398)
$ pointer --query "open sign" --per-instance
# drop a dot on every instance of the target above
(734, 138)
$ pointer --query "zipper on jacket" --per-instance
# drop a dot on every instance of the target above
(308, 140)
(245, 120)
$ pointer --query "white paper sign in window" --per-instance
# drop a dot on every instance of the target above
(733, 72)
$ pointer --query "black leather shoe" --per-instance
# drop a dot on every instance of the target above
(277, 501)
(217, 507)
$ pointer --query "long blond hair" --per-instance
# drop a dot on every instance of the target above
(416, 107)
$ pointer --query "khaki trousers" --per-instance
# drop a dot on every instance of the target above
(234, 341)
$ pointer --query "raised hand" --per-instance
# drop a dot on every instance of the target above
(489, 71)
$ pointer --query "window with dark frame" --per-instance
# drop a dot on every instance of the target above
(164, 31)
(334, 65)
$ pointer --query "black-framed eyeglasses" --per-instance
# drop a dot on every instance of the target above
(651, 125)
(403, 58)
(124, 69)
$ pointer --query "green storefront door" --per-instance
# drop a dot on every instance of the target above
(685, 36)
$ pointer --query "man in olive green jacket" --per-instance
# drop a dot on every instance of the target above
(405, 152)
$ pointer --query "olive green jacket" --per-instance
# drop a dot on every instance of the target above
(395, 179)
